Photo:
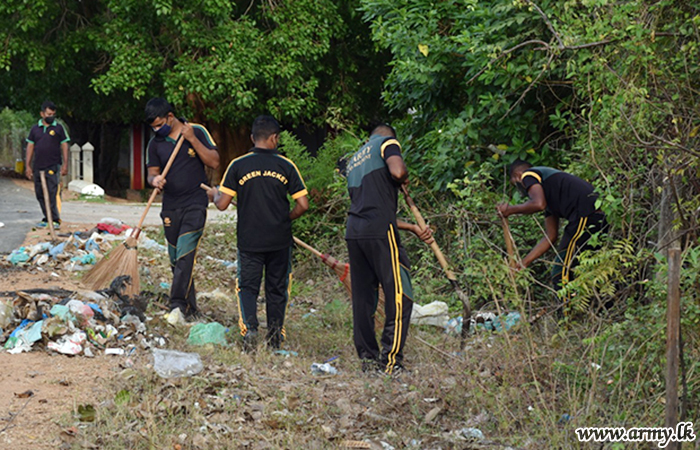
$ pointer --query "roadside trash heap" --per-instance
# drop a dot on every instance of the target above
(75, 323)
(81, 250)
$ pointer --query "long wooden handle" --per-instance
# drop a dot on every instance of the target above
(47, 204)
(421, 223)
(155, 191)
(508, 237)
(301, 243)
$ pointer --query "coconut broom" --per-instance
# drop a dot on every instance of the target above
(123, 260)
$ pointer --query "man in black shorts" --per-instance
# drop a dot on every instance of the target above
(374, 174)
(559, 195)
(46, 143)
(184, 210)
(261, 180)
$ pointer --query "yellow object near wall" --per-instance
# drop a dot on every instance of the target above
(19, 166)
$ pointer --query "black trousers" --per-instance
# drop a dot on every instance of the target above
(183, 231)
(53, 179)
(277, 266)
(576, 239)
(374, 262)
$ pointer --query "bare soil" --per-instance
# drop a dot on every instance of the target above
(40, 391)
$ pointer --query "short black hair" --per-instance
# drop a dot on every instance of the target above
(48, 104)
(264, 127)
(515, 164)
(157, 107)
(384, 128)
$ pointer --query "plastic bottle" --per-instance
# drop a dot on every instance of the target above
(323, 369)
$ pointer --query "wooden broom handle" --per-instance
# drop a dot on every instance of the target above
(301, 243)
(155, 191)
(508, 237)
(421, 223)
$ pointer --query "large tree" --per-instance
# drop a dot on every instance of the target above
(308, 62)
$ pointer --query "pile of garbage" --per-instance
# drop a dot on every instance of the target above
(81, 250)
(75, 323)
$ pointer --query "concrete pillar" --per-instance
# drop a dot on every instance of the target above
(74, 162)
(88, 150)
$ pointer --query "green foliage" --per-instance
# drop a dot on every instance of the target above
(327, 189)
(14, 128)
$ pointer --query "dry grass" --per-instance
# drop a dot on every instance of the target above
(528, 388)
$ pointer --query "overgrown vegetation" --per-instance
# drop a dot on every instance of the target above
(605, 90)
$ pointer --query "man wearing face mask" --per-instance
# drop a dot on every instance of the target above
(559, 195)
(46, 143)
(184, 210)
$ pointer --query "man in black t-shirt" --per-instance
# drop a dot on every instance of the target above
(374, 174)
(559, 195)
(46, 143)
(261, 180)
(184, 210)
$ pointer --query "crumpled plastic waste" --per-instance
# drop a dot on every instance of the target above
(174, 364)
(435, 313)
(18, 256)
(471, 434)
(57, 249)
(175, 317)
(207, 333)
(323, 369)
(24, 336)
(69, 345)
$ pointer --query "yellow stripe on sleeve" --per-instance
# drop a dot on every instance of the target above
(388, 143)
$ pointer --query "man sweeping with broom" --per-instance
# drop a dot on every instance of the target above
(184, 210)
(374, 174)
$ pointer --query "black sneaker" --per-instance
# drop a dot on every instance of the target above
(370, 366)
(396, 371)
(250, 341)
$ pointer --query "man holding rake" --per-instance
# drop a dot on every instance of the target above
(374, 174)
(184, 210)
(262, 180)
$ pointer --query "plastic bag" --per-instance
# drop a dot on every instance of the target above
(207, 333)
(174, 364)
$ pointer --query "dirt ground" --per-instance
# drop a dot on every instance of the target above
(39, 391)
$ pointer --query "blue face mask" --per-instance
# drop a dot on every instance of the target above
(164, 131)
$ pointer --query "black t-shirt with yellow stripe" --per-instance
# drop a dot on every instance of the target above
(567, 196)
(187, 172)
(261, 181)
(373, 192)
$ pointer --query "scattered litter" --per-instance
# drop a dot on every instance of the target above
(165, 286)
(471, 434)
(18, 257)
(69, 345)
(207, 333)
(323, 369)
(2, 224)
(286, 353)
(174, 364)
(485, 321)
(230, 265)
(175, 317)
(114, 351)
(564, 418)
(435, 313)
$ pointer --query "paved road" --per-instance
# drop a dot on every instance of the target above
(19, 212)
